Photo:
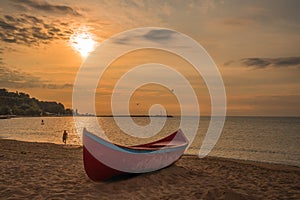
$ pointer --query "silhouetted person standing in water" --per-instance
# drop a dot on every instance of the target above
(65, 136)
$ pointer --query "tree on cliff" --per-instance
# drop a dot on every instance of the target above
(15, 103)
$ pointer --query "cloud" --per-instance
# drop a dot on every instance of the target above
(18, 79)
(229, 62)
(155, 35)
(294, 61)
(7, 26)
(256, 62)
(123, 41)
(159, 35)
(261, 63)
(1, 59)
(31, 31)
(272, 62)
(46, 7)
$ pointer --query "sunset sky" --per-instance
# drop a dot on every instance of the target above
(255, 45)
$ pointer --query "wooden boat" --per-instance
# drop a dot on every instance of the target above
(104, 160)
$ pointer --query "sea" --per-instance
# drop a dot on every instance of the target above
(262, 139)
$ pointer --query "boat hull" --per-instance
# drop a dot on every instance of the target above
(104, 160)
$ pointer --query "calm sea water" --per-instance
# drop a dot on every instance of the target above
(265, 139)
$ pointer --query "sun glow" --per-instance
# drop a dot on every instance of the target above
(83, 43)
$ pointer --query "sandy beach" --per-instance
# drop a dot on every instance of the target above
(51, 171)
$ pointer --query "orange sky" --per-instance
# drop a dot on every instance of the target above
(254, 44)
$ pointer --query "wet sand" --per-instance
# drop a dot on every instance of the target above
(51, 171)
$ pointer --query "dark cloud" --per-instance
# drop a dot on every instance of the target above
(17, 79)
(46, 7)
(10, 40)
(6, 26)
(31, 30)
(122, 41)
(256, 62)
(159, 35)
(33, 19)
(9, 18)
(261, 63)
(229, 62)
(290, 61)
(56, 86)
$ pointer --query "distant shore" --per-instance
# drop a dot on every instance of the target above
(7, 116)
(168, 116)
(43, 170)
(135, 116)
(21, 116)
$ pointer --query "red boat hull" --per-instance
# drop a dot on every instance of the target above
(96, 170)
(104, 160)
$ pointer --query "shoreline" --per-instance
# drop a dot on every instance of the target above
(253, 162)
(168, 116)
(46, 170)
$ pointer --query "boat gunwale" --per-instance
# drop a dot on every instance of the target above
(139, 149)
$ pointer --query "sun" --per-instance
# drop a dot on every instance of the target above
(83, 43)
